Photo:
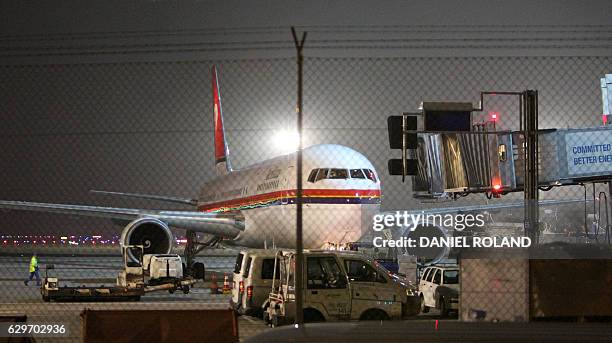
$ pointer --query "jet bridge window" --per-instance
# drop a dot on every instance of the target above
(324, 273)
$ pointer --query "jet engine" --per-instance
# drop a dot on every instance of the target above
(429, 231)
(153, 234)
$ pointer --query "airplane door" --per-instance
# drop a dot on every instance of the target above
(285, 186)
(327, 287)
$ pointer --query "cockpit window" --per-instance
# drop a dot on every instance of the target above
(322, 174)
(357, 174)
(338, 174)
(370, 174)
(313, 175)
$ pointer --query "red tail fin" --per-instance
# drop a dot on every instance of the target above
(222, 162)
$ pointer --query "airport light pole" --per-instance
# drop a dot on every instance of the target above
(299, 247)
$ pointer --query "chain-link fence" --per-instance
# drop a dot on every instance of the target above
(148, 128)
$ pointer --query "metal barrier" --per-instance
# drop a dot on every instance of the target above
(553, 281)
(546, 283)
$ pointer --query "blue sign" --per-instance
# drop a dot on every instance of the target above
(589, 152)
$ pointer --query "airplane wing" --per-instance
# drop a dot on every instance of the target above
(177, 200)
(219, 224)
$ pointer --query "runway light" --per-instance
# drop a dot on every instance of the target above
(286, 140)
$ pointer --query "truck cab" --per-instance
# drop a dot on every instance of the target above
(339, 286)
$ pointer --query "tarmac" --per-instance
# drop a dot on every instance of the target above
(16, 298)
(101, 269)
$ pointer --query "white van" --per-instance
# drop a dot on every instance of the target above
(339, 286)
(255, 280)
(239, 267)
(439, 288)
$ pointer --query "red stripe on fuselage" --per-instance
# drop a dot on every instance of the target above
(291, 193)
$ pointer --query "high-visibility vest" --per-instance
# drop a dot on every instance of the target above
(33, 264)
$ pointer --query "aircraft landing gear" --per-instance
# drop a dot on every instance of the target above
(198, 270)
(192, 268)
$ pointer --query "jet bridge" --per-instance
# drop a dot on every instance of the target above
(480, 159)
(448, 155)
(494, 162)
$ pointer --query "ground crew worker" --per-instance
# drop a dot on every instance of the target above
(33, 270)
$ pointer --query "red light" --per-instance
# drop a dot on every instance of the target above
(241, 286)
(496, 184)
(250, 292)
(494, 116)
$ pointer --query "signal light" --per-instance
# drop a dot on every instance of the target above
(494, 116)
(250, 292)
(496, 184)
(241, 286)
(496, 187)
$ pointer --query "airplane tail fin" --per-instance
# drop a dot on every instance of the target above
(222, 161)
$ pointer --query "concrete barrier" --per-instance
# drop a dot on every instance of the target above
(217, 326)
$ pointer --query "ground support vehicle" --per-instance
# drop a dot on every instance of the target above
(338, 286)
(132, 282)
(253, 280)
(439, 288)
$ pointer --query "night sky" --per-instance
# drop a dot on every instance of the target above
(116, 95)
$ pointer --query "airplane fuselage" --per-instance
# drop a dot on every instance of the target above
(341, 193)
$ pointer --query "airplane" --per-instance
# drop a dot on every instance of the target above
(256, 206)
